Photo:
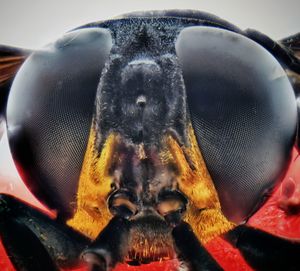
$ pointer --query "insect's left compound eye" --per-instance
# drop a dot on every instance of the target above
(243, 111)
(50, 110)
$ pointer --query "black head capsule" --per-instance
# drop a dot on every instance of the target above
(141, 98)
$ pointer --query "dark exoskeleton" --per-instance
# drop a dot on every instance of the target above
(143, 77)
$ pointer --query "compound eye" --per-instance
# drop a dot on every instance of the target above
(171, 204)
(123, 203)
(243, 111)
(49, 114)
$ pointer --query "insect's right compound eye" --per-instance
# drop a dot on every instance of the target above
(243, 111)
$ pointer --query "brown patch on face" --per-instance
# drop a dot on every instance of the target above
(139, 169)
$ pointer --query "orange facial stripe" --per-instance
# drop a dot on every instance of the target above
(195, 182)
(204, 209)
(92, 214)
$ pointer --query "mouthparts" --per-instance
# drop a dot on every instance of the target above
(150, 239)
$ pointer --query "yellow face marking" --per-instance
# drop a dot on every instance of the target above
(195, 183)
(204, 209)
(92, 213)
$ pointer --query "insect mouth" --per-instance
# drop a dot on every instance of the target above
(150, 227)
(146, 239)
(150, 240)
